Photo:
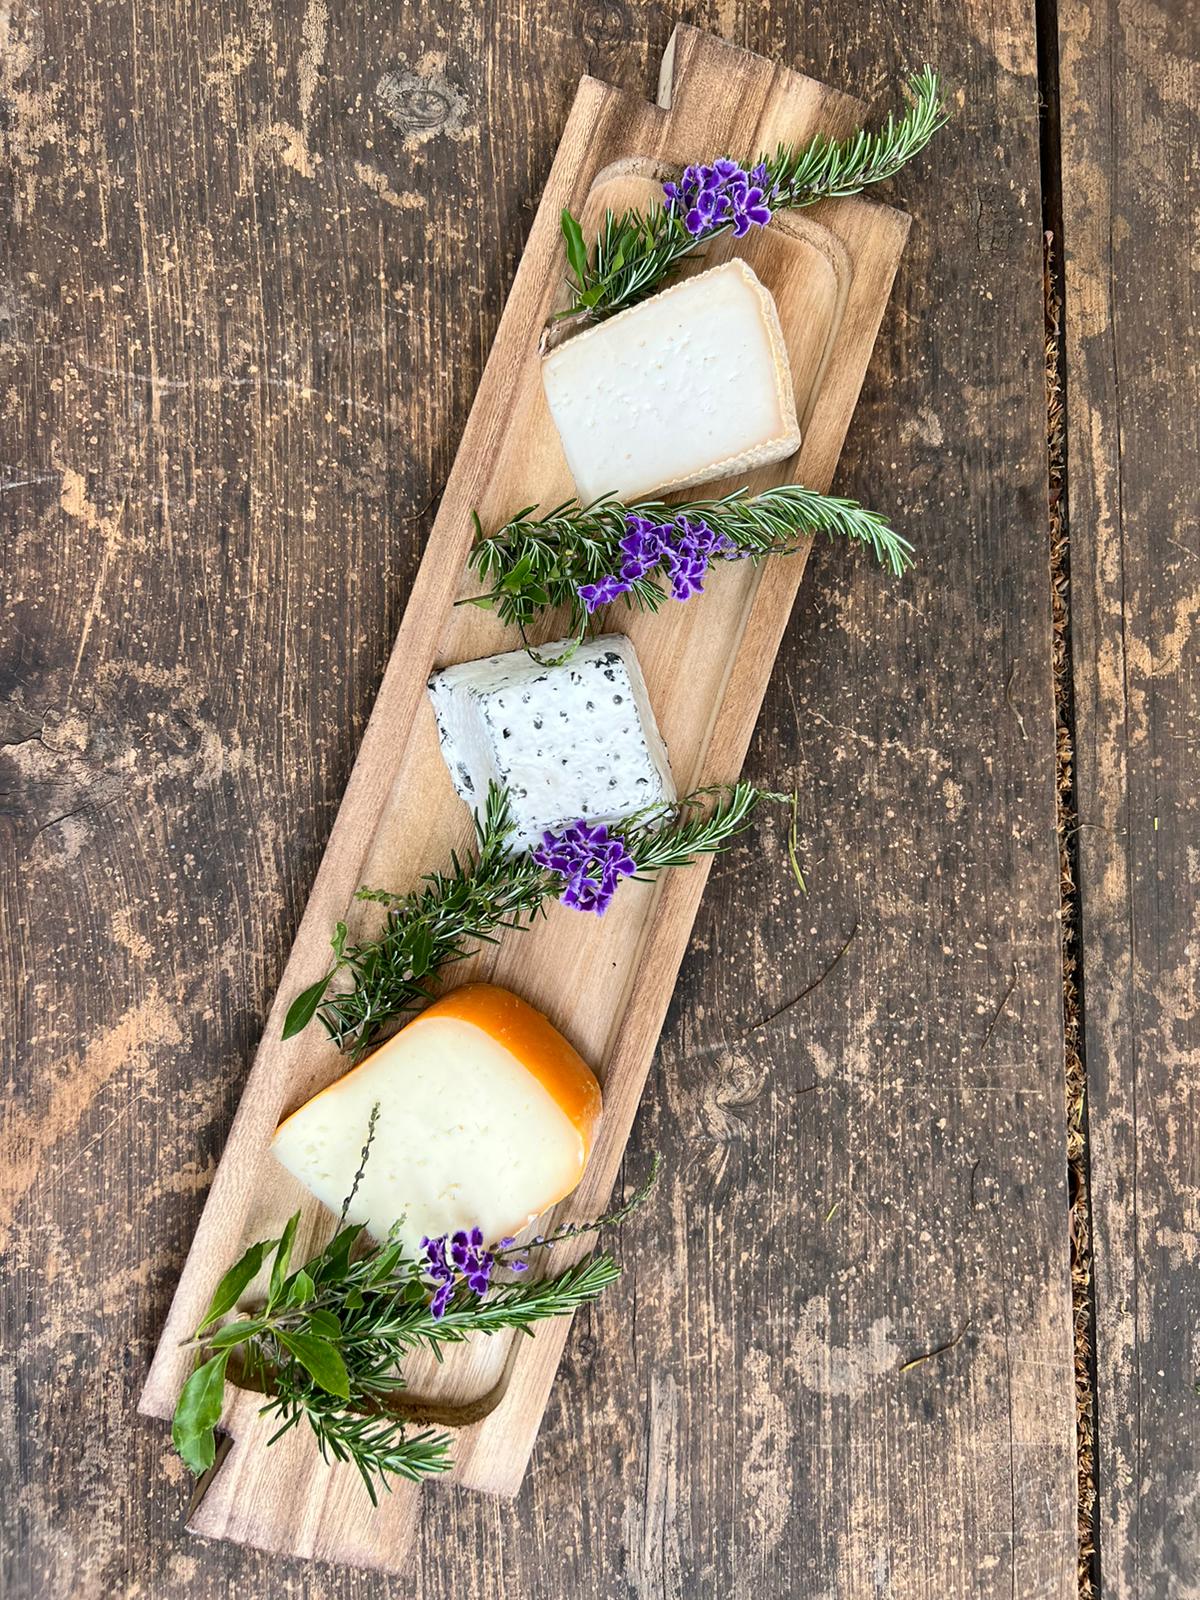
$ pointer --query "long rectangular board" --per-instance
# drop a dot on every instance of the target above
(606, 985)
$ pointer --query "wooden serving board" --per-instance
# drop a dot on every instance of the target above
(606, 984)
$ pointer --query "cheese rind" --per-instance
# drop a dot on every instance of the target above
(690, 385)
(570, 741)
(486, 1117)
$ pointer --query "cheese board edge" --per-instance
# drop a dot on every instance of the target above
(680, 897)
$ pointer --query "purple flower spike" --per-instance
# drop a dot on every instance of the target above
(685, 548)
(714, 196)
(468, 1261)
(590, 862)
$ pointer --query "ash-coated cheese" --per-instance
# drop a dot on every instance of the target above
(486, 1116)
(567, 741)
(691, 385)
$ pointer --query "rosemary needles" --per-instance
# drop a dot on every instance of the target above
(326, 1344)
(580, 557)
(490, 891)
(635, 250)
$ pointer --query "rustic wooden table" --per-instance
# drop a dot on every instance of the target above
(254, 256)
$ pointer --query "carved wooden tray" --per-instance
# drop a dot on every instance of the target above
(606, 984)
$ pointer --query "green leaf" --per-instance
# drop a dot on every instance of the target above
(338, 942)
(193, 1430)
(304, 1007)
(576, 249)
(516, 575)
(236, 1333)
(420, 956)
(335, 1258)
(320, 1360)
(231, 1287)
(283, 1256)
(300, 1288)
(325, 1324)
(353, 1300)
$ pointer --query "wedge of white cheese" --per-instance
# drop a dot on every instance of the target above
(691, 385)
(576, 740)
(486, 1118)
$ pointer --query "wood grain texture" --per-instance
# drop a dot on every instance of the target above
(1130, 88)
(256, 257)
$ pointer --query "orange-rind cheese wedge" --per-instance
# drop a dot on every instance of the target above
(486, 1117)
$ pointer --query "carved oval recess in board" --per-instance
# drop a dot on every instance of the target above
(804, 264)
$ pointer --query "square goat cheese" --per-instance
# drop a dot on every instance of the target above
(690, 385)
(568, 741)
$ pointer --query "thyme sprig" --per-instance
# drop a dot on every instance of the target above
(482, 896)
(326, 1345)
(536, 562)
(635, 250)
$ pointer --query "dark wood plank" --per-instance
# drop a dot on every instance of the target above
(1130, 88)
(255, 259)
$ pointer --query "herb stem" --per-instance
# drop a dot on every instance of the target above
(635, 250)
(533, 563)
(445, 920)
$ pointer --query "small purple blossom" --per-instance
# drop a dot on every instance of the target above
(715, 196)
(644, 545)
(602, 592)
(687, 575)
(683, 548)
(590, 861)
(467, 1260)
(518, 1263)
(698, 539)
(441, 1299)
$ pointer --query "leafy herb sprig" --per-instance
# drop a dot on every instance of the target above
(534, 562)
(326, 1345)
(483, 895)
(635, 250)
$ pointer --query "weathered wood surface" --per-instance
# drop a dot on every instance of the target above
(255, 258)
(1130, 92)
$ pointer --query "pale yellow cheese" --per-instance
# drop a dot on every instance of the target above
(690, 385)
(486, 1116)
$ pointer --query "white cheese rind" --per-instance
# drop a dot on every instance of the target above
(691, 385)
(576, 740)
(466, 1135)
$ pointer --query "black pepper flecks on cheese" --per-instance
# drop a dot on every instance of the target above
(578, 740)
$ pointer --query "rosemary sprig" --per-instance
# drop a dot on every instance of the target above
(327, 1345)
(534, 562)
(440, 923)
(635, 250)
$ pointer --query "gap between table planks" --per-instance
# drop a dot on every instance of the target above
(832, 271)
